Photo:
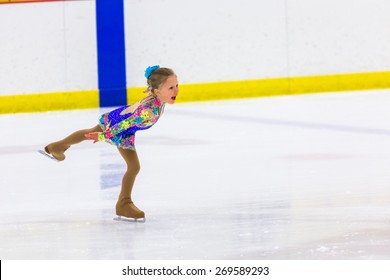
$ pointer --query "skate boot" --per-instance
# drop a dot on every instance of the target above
(54, 152)
(127, 211)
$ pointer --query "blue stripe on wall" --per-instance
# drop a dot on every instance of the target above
(111, 52)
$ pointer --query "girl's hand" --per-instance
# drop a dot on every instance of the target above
(93, 136)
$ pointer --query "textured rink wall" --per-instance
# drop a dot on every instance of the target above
(219, 48)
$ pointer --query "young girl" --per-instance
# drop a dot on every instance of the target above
(119, 126)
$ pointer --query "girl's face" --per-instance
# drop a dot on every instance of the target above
(168, 91)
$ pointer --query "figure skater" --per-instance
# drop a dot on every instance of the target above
(119, 126)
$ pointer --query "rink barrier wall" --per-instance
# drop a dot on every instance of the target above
(204, 91)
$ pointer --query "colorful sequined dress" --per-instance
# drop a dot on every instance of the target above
(120, 125)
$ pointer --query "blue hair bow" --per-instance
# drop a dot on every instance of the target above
(150, 70)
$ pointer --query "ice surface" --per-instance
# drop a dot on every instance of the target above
(294, 177)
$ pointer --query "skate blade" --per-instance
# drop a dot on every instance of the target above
(48, 155)
(129, 220)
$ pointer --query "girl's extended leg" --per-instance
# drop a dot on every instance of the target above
(57, 149)
(125, 206)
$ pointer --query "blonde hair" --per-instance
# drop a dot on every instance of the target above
(158, 77)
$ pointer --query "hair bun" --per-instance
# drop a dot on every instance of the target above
(150, 70)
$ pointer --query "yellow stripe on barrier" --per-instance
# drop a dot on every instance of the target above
(220, 90)
(232, 90)
(340, 82)
(284, 86)
(204, 91)
(49, 101)
(135, 94)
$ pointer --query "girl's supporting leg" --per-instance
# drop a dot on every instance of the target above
(57, 149)
(125, 206)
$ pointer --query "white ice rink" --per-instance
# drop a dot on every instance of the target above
(294, 177)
